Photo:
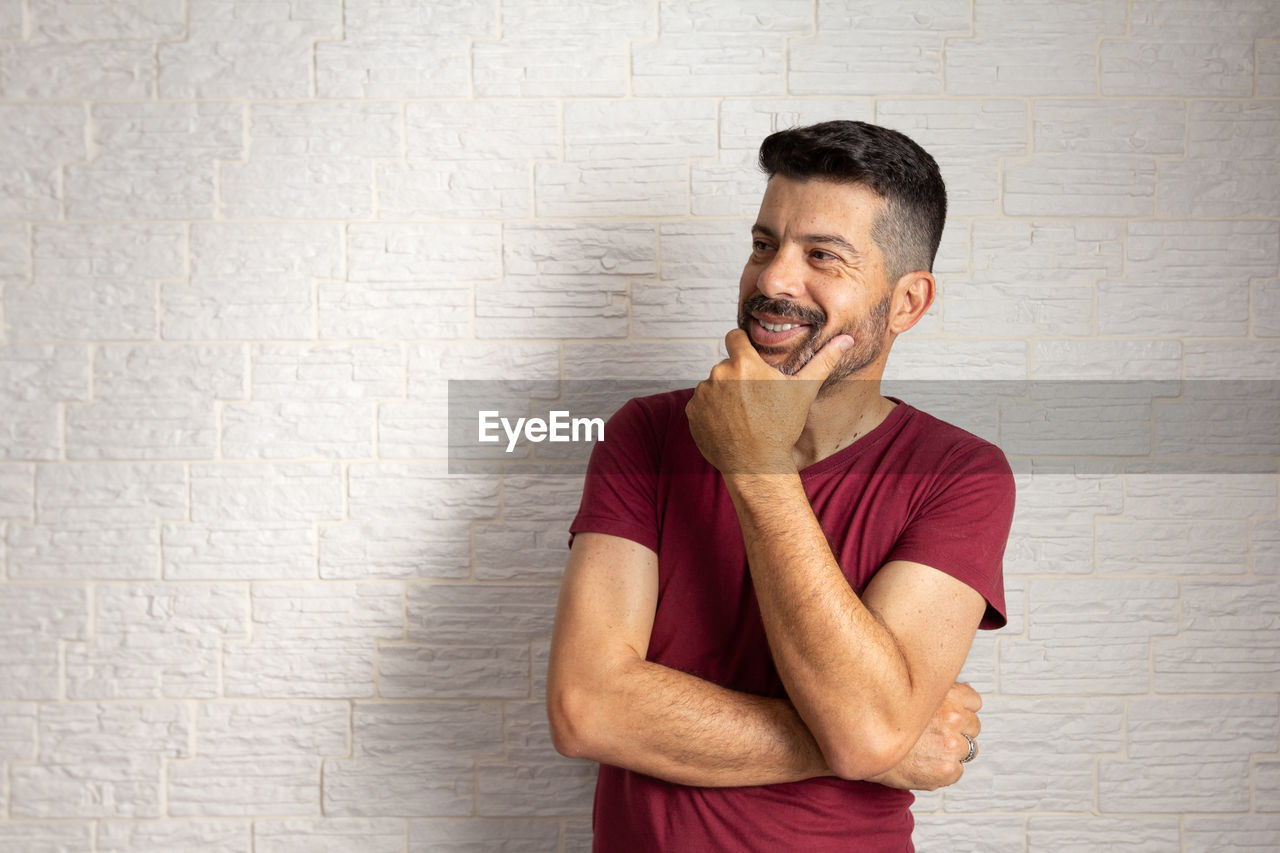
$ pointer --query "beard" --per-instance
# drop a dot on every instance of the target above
(867, 333)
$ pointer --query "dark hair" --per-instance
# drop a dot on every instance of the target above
(885, 161)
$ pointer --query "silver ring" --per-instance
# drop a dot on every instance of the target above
(973, 749)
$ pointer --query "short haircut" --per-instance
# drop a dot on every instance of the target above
(885, 161)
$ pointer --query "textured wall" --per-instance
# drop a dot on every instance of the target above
(245, 607)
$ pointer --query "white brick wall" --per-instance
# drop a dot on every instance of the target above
(245, 607)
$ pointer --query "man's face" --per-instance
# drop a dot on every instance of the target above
(815, 273)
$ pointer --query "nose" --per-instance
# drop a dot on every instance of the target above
(783, 276)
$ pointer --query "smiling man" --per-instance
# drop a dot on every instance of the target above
(774, 578)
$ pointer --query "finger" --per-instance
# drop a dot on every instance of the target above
(962, 694)
(738, 344)
(821, 365)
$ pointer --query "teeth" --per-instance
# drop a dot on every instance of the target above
(772, 327)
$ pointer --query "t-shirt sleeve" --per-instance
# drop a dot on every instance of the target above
(619, 493)
(963, 526)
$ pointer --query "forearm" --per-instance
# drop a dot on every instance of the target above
(674, 726)
(842, 667)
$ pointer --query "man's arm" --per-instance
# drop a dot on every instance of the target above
(865, 674)
(607, 703)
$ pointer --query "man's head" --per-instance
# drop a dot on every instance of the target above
(843, 244)
(885, 161)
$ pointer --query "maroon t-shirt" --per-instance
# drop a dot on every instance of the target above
(914, 488)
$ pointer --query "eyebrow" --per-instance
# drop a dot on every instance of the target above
(823, 239)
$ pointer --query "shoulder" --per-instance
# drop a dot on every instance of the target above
(944, 447)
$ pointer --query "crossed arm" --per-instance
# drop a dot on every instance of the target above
(608, 704)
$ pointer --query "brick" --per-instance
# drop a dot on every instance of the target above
(1266, 308)
(251, 281)
(538, 498)
(1229, 171)
(1221, 421)
(239, 550)
(1082, 834)
(15, 254)
(438, 253)
(1227, 639)
(1214, 261)
(1031, 49)
(577, 836)
(575, 190)
(1267, 67)
(745, 122)
(97, 521)
(314, 640)
(1080, 185)
(1100, 666)
(429, 188)
(329, 835)
(462, 615)
(1198, 728)
(916, 358)
(1199, 496)
(190, 836)
(701, 64)
(412, 759)
(1174, 43)
(570, 65)
(553, 290)
(752, 16)
(297, 430)
(463, 835)
(395, 50)
(94, 282)
(274, 751)
(261, 494)
(1106, 360)
(1072, 609)
(155, 402)
(44, 373)
(60, 836)
(639, 132)
(968, 139)
(69, 22)
(876, 48)
(641, 361)
(1238, 832)
(956, 832)
(1110, 126)
(12, 23)
(17, 731)
(406, 521)
(39, 140)
(1159, 546)
(154, 161)
(100, 760)
(156, 641)
(244, 786)
(91, 70)
(520, 550)
(1265, 540)
(1033, 278)
(345, 371)
(453, 672)
(310, 160)
(1232, 360)
(551, 789)
(1266, 783)
(1161, 785)
(695, 297)
(225, 42)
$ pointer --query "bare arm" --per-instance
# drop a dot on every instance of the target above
(607, 703)
(866, 674)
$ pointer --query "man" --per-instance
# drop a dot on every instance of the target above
(774, 578)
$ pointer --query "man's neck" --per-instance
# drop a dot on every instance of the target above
(840, 417)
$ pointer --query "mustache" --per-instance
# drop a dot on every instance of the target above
(781, 308)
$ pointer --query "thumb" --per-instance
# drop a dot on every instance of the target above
(826, 359)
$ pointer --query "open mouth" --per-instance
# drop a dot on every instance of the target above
(772, 331)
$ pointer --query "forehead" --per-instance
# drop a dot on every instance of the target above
(794, 207)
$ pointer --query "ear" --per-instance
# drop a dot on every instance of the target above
(912, 296)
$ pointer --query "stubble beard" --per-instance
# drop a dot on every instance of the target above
(867, 333)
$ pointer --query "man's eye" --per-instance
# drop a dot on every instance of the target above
(760, 246)
(820, 255)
